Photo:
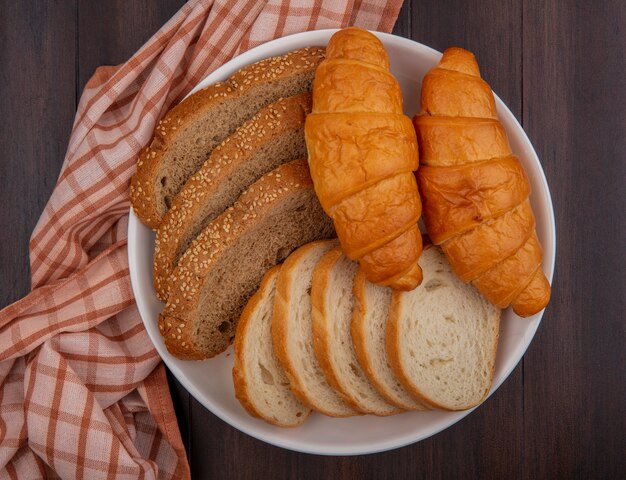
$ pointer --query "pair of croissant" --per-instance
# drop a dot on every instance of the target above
(363, 153)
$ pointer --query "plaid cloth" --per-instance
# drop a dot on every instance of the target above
(83, 392)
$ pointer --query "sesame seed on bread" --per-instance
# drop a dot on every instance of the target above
(224, 265)
(275, 135)
(189, 132)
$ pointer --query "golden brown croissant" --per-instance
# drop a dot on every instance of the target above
(475, 191)
(362, 154)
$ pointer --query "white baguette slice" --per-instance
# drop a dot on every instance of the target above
(292, 332)
(261, 385)
(332, 304)
(369, 320)
(442, 338)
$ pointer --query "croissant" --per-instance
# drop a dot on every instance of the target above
(362, 155)
(475, 191)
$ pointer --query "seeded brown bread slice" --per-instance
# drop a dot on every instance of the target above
(261, 385)
(188, 133)
(292, 332)
(369, 320)
(224, 265)
(331, 306)
(272, 137)
(442, 337)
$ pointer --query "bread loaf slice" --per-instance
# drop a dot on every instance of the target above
(368, 327)
(332, 303)
(292, 332)
(188, 133)
(261, 385)
(442, 338)
(272, 137)
(224, 265)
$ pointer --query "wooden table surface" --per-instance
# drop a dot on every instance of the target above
(561, 69)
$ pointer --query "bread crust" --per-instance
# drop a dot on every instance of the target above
(176, 323)
(392, 343)
(359, 340)
(240, 373)
(322, 331)
(280, 331)
(393, 340)
(475, 191)
(146, 202)
(362, 155)
(239, 363)
(281, 117)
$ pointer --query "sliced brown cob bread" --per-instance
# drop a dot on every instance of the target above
(369, 320)
(272, 137)
(261, 385)
(442, 338)
(224, 265)
(332, 303)
(292, 332)
(188, 133)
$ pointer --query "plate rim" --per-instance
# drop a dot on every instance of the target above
(384, 445)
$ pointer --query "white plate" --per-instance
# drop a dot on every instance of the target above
(210, 381)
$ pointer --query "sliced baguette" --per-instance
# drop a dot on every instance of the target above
(369, 319)
(442, 338)
(272, 137)
(224, 265)
(261, 385)
(332, 303)
(188, 133)
(292, 332)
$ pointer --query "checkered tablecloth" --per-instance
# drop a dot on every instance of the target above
(83, 392)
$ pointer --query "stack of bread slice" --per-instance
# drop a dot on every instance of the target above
(224, 265)
(272, 137)
(185, 137)
(225, 185)
(319, 337)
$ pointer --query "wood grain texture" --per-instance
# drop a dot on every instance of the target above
(559, 66)
(492, 30)
(574, 110)
(37, 103)
(110, 32)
